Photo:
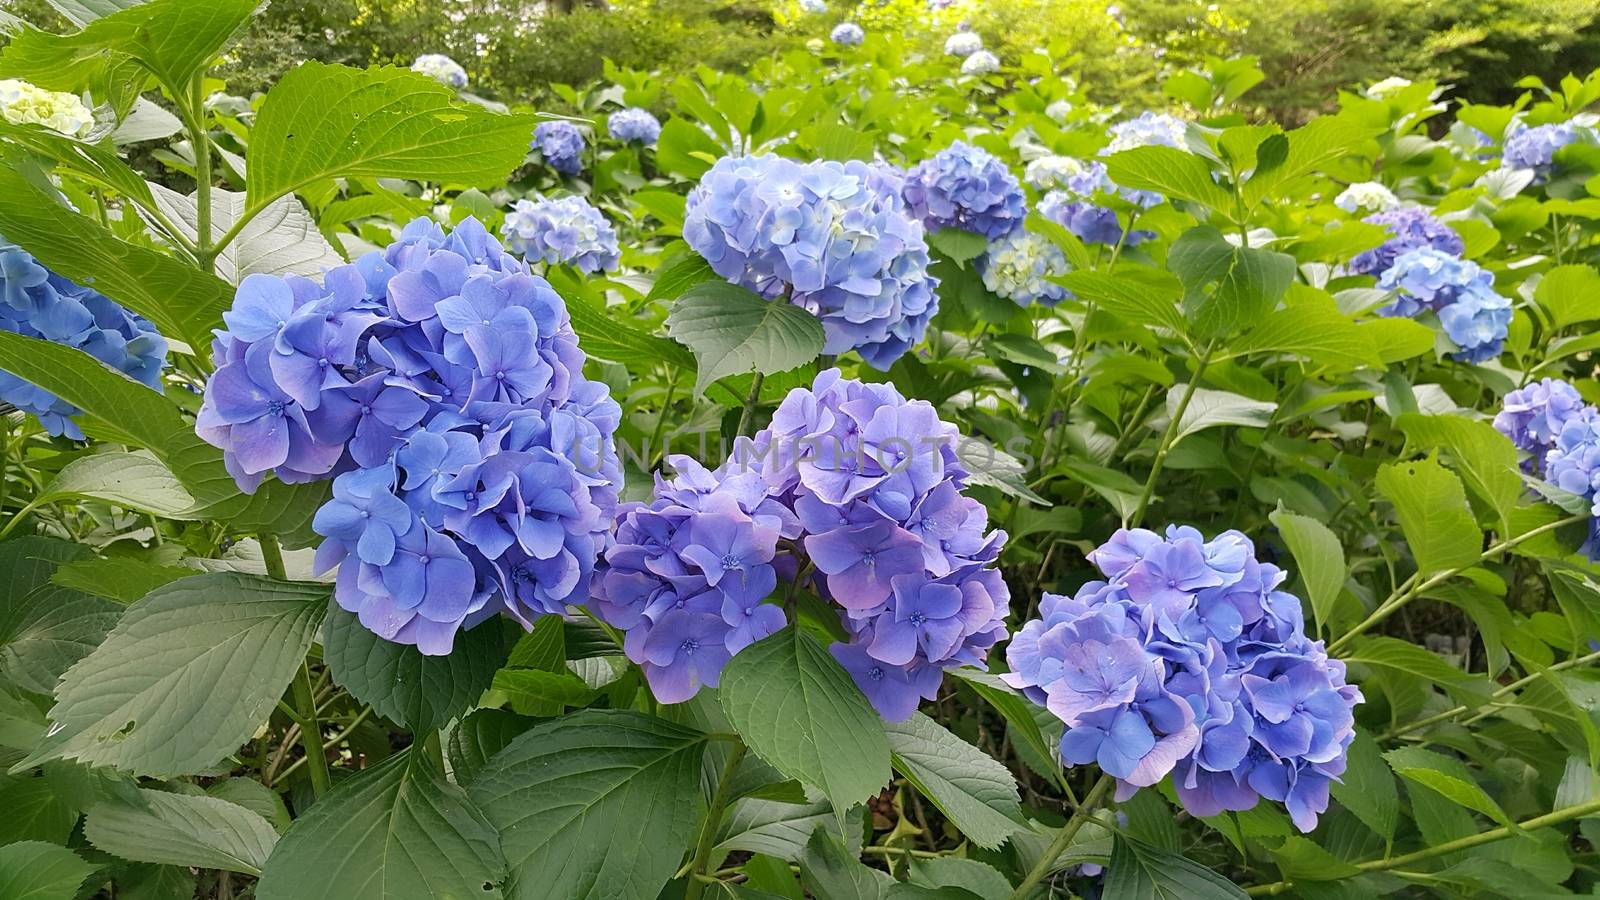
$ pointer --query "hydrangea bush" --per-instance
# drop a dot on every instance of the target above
(886, 473)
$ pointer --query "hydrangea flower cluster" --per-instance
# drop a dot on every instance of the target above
(634, 126)
(1388, 87)
(1366, 195)
(1411, 227)
(1058, 111)
(1459, 291)
(1573, 464)
(36, 302)
(1079, 177)
(1535, 148)
(1019, 265)
(1188, 659)
(1093, 224)
(847, 34)
(561, 144)
(1148, 129)
(568, 230)
(980, 63)
(442, 69)
(854, 490)
(442, 384)
(966, 187)
(1533, 416)
(963, 43)
(834, 238)
(814, 7)
(22, 103)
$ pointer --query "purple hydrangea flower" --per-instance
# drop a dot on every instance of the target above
(1533, 416)
(965, 187)
(36, 302)
(1535, 148)
(1412, 227)
(847, 34)
(834, 238)
(568, 230)
(1188, 660)
(853, 489)
(440, 384)
(634, 126)
(561, 144)
(1091, 223)
(1458, 291)
(1573, 464)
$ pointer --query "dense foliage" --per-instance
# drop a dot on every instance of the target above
(880, 472)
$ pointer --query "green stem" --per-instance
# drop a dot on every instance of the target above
(305, 699)
(1169, 436)
(1509, 689)
(747, 417)
(200, 141)
(1566, 814)
(708, 831)
(1414, 587)
(1064, 837)
(661, 421)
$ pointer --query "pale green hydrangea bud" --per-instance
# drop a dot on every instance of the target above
(24, 104)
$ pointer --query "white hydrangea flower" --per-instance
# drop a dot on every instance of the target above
(1367, 195)
(1059, 111)
(814, 7)
(963, 43)
(981, 63)
(1391, 85)
(442, 69)
(1048, 172)
(22, 103)
(1018, 266)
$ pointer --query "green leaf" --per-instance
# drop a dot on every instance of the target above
(136, 481)
(1433, 512)
(123, 579)
(1313, 329)
(281, 240)
(1209, 408)
(254, 796)
(1011, 706)
(477, 738)
(187, 675)
(1570, 294)
(598, 804)
(322, 121)
(606, 334)
(1301, 860)
(423, 693)
(36, 810)
(684, 150)
(46, 631)
(1174, 173)
(1485, 458)
(959, 244)
(1368, 788)
(781, 829)
(174, 40)
(830, 872)
(91, 162)
(1138, 870)
(1248, 282)
(733, 331)
(1446, 775)
(1139, 295)
(33, 870)
(1319, 142)
(948, 871)
(82, 12)
(1024, 351)
(798, 710)
(1319, 557)
(974, 791)
(182, 830)
(1395, 340)
(1414, 661)
(397, 831)
(539, 692)
(182, 301)
(678, 276)
(990, 466)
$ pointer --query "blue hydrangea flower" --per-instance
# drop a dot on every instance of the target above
(440, 384)
(1081, 178)
(1411, 227)
(1148, 129)
(833, 238)
(981, 62)
(853, 488)
(1091, 223)
(442, 69)
(1535, 148)
(562, 144)
(1018, 267)
(847, 34)
(963, 43)
(1189, 660)
(814, 7)
(1533, 416)
(634, 126)
(966, 187)
(36, 302)
(1458, 291)
(568, 230)
(1573, 464)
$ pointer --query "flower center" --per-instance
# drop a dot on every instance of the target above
(732, 562)
(918, 618)
(875, 673)
(275, 407)
(869, 557)
(689, 646)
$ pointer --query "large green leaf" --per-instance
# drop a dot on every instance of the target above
(321, 121)
(182, 301)
(123, 579)
(1012, 706)
(608, 335)
(1140, 295)
(1446, 775)
(181, 830)
(1485, 458)
(398, 831)
(1228, 289)
(830, 872)
(45, 632)
(477, 738)
(1178, 174)
(422, 693)
(1138, 871)
(1416, 662)
(1319, 557)
(781, 829)
(1367, 787)
(92, 162)
(1568, 294)
(36, 810)
(733, 331)
(598, 804)
(33, 870)
(1313, 329)
(1433, 513)
(187, 675)
(136, 481)
(1319, 142)
(1210, 408)
(797, 709)
(968, 786)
